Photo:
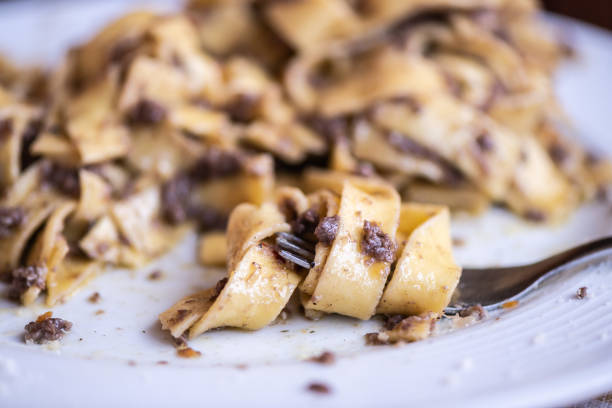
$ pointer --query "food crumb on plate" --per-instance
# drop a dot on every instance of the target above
(582, 293)
(510, 304)
(458, 242)
(155, 275)
(188, 352)
(319, 388)
(46, 329)
(326, 358)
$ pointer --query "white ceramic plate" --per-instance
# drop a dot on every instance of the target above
(552, 350)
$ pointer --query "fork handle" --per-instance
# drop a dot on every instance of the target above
(570, 255)
(492, 286)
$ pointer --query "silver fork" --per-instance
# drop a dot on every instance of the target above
(295, 249)
(489, 287)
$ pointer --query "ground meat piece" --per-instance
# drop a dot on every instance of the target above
(558, 153)
(326, 358)
(243, 108)
(208, 218)
(476, 310)
(216, 163)
(484, 142)
(25, 277)
(581, 293)
(376, 339)
(393, 320)
(305, 223)
(327, 229)
(147, 112)
(48, 329)
(403, 330)
(319, 388)
(63, 179)
(218, 288)
(376, 243)
(10, 219)
(175, 199)
(156, 275)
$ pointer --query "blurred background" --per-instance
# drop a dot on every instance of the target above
(597, 12)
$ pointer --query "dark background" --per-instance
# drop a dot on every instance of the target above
(594, 11)
(597, 12)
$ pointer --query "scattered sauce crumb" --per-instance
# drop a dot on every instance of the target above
(183, 350)
(326, 358)
(242, 366)
(511, 304)
(156, 275)
(581, 293)
(162, 362)
(131, 363)
(99, 312)
(319, 388)
(94, 298)
(46, 329)
(458, 242)
(475, 310)
(188, 352)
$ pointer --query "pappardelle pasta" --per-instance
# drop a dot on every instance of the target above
(354, 126)
(373, 254)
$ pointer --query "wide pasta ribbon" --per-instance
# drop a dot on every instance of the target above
(346, 278)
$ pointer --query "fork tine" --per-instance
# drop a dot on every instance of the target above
(296, 249)
(297, 241)
(295, 259)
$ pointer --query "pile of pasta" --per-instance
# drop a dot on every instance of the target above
(162, 124)
(358, 271)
